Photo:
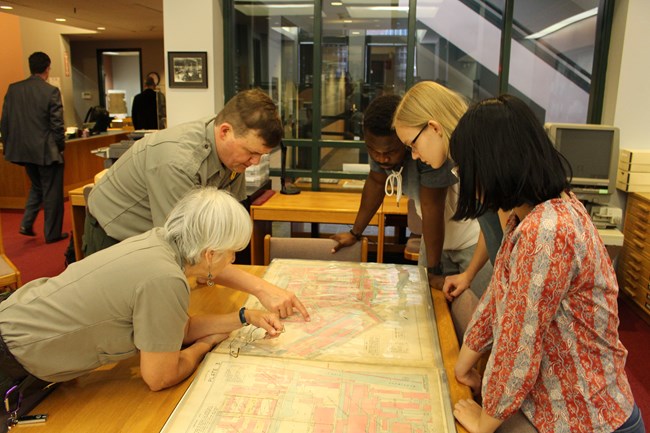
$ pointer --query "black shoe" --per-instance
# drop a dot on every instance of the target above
(26, 231)
(63, 236)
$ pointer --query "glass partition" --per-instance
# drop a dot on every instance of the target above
(552, 56)
(457, 45)
(323, 62)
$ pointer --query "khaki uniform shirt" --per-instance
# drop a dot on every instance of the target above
(132, 296)
(141, 188)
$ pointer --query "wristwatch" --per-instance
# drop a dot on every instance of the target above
(356, 235)
(242, 316)
(435, 270)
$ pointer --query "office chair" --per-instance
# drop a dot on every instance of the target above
(9, 273)
(312, 249)
(414, 224)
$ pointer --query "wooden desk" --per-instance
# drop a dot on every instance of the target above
(316, 207)
(342, 185)
(114, 398)
(78, 207)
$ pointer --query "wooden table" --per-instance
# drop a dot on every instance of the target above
(317, 207)
(78, 206)
(341, 185)
(114, 398)
(78, 215)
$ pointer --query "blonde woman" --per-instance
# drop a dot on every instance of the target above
(424, 122)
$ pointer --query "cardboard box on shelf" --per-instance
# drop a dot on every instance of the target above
(632, 166)
(634, 156)
(632, 177)
(632, 187)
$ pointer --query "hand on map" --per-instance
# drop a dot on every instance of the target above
(283, 302)
(468, 413)
(270, 322)
(455, 285)
(345, 239)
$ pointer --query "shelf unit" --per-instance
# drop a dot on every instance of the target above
(634, 267)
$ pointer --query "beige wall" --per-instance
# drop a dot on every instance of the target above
(206, 21)
(627, 89)
(11, 53)
(48, 37)
(21, 37)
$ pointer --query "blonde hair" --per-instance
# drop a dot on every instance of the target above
(207, 218)
(428, 100)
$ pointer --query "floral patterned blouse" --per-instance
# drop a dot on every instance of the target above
(551, 319)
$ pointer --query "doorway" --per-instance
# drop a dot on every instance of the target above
(120, 79)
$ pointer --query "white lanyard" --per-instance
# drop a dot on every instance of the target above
(394, 184)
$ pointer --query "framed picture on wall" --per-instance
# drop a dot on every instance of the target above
(188, 69)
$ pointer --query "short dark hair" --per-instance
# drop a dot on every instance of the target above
(253, 110)
(505, 158)
(149, 82)
(38, 62)
(378, 117)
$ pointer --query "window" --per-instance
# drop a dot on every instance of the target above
(323, 62)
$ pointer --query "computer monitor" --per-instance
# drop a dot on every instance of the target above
(592, 151)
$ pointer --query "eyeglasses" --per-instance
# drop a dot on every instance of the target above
(244, 337)
(418, 136)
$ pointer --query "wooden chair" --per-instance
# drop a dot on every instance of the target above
(312, 249)
(414, 223)
(9, 273)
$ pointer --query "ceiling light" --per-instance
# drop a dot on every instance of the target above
(6, 7)
(389, 8)
(101, 28)
(337, 3)
(61, 20)
(383, 12)
(564, 23)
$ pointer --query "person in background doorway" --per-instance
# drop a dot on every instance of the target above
(144, 111)
(33, 134)
(447, 245)
(550, 313)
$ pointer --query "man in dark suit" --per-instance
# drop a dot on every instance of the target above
(34, 137)
(145, 107)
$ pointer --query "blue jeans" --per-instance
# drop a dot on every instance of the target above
(634, 423)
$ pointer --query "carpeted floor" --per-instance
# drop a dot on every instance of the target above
(33, 257)
(37, 259)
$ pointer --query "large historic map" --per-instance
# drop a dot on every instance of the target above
(252, 395)
(368, 361)
(360, 312)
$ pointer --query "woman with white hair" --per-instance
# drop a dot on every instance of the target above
(132, 297)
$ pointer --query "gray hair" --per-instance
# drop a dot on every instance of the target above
(207, 218)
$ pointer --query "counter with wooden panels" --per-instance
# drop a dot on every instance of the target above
(80, 168)
(634, 265)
